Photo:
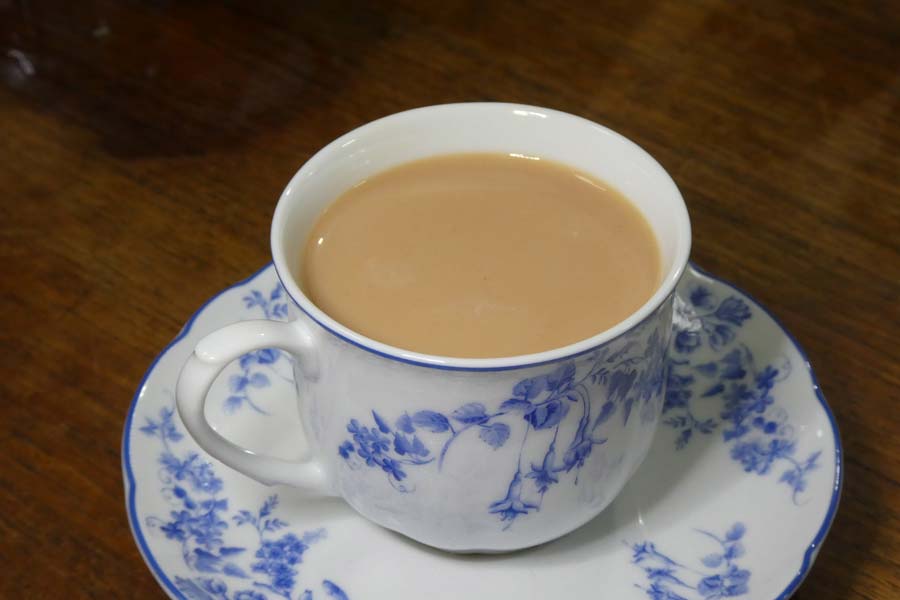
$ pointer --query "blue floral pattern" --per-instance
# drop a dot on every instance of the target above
(716, 576)
(629, 375)
(709, 365)
(256, 367)
(199, 522)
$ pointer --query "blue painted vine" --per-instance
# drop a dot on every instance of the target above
(714, 576)
(710, 364)
(199, 523)
(256, 368)
(630, 376)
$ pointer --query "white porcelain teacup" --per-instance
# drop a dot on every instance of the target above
(469, 455)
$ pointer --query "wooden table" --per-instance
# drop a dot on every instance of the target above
(143, 146)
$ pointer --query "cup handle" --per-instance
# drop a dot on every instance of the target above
(210, 356)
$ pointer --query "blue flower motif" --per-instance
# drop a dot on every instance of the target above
(702, 297)
(265, 356)
(277, 559)
(630, 376)
(392, 468)
(510, 507)
(371, 443)
(678, 390)
(238, 383)
(757, 456)
(750, 419)
(249, 379)
(577, 454)
(164, 429)
(733, 310)
(215, 587)
(665, 575)
(199, 526)
(795, 477)
(717, 322)
(544, 475)
(346, 449)
(547, 414)
(687, 341)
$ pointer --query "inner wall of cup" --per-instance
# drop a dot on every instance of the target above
(451, 129)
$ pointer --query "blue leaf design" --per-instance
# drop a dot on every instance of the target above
(267, 356)
(404, 445)
(733, 310)
(432, 421)
(528, 389)
(733, 365)
(547, 414)
(237, 383)
(259, 380)
(701, 297)
(736, 532)
(334, 591)
(191, 590)
(722, 335)
(561, 377)
(707, 369)
(313, 536)
(495, 434)
(712, 560)
(232, 403)
(715, 389)
(620, 383)
(734, 550)
(516, 404)
(405, 424)
(199, 524)
(243, 516)
(234, 571)
(269, 505)
(676, 422)
(710, 586)
(721, 578)
(812, 460)
(706, 426)
(206, 561)
(471, 413)
(382, 424)
(606, 411)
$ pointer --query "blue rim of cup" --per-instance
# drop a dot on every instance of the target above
(809, 555)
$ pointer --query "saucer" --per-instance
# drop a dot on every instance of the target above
(734, 499)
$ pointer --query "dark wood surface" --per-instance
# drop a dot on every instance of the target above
(143, 146)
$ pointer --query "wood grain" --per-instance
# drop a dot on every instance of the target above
(144, 144)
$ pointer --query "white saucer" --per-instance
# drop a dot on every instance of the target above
(734, 500)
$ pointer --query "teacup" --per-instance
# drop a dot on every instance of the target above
(466, 455)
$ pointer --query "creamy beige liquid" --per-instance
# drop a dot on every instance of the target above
(480, 255)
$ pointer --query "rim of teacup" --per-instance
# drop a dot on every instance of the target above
(662, 293)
